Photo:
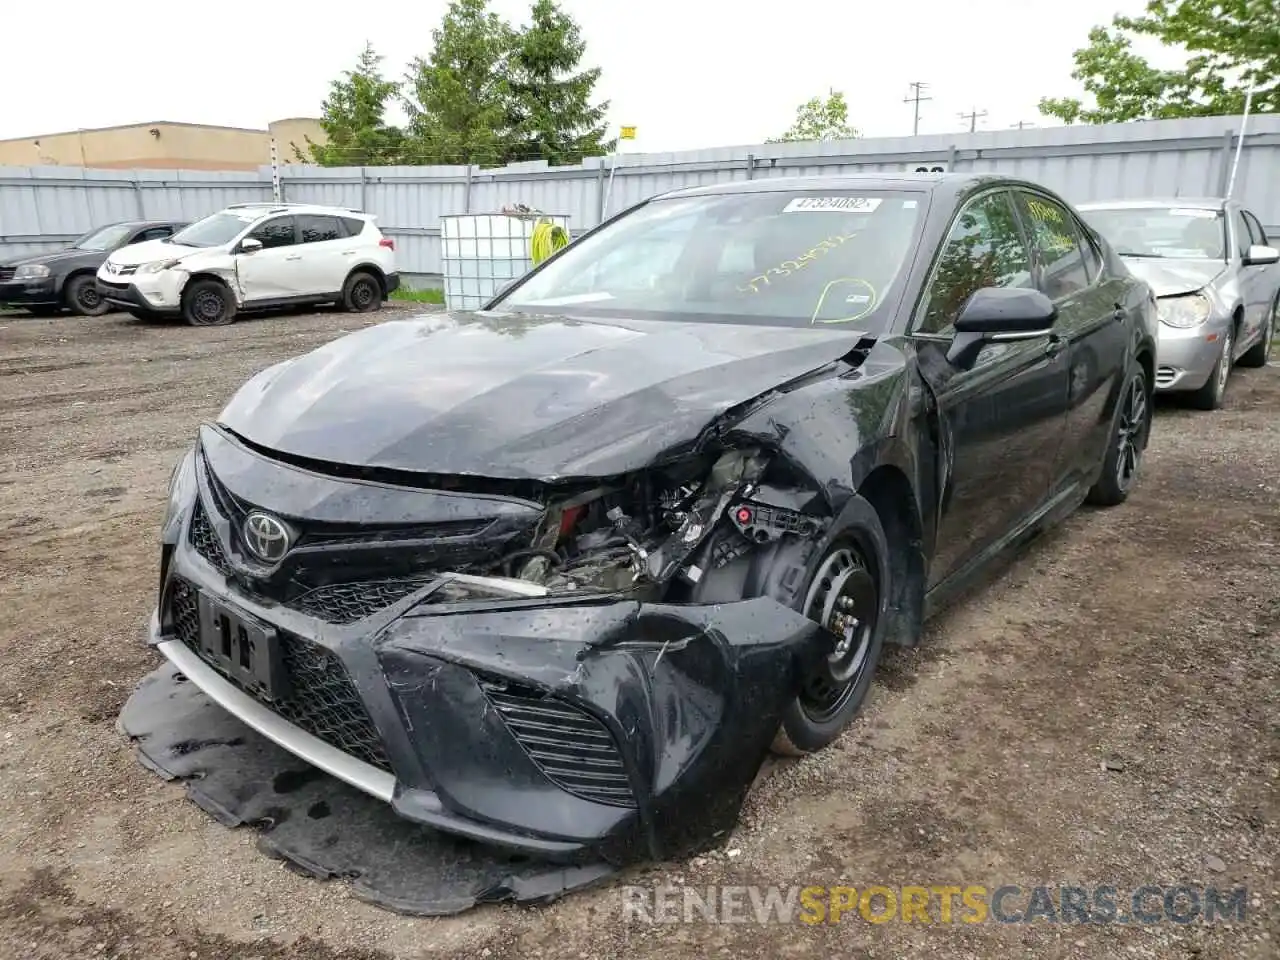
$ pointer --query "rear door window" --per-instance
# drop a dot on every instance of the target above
(313, 229)
(1063, 271)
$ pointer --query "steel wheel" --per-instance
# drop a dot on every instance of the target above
(207, 307)
(87, 298)
(1130, 433)
(1223, 372)
(363, 294)
(843, 598)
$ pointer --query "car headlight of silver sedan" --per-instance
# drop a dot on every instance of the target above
(31, 271)
(1184, 312)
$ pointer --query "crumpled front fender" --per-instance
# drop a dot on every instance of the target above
(691, 697)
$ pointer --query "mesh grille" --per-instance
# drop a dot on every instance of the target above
(343, 603)
(205, 540)
(572, 748)
(322, 699)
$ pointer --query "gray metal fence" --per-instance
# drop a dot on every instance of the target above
(43, 208)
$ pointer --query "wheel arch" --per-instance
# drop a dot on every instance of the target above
(61, 282)
(370, 268)
(890, 492)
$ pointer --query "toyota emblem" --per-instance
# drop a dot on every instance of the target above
(266, 537)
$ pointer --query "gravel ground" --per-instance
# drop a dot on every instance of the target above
(1104, 712)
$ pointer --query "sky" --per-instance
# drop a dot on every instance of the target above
(687, 74)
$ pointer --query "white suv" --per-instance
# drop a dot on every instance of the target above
(252, 256)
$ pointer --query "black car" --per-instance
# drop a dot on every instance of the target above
(46, 283)
(556, 574)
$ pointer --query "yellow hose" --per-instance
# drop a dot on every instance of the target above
(547, 238)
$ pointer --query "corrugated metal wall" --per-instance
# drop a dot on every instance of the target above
(43, 208)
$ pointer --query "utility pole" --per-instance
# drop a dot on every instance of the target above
(973, 117)
(1023, 123)
(917, 97)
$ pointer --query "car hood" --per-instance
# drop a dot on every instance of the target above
(57, 258)
(149, 251)
(518, 397)
(1169, 278)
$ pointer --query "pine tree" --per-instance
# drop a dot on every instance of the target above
(550, 111)
(353, 119)
(458, 97)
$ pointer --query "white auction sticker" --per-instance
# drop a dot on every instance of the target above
(832, 205)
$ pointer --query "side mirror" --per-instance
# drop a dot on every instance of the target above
(250, 245)
(999, 314)
(1260, 256)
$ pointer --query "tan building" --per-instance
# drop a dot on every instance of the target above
(164, 145)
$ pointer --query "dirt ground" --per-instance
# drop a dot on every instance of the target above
(1106, 711)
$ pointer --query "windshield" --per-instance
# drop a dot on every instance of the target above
(104, 238)
(793, 258)
(213, 231)
(1171, 233)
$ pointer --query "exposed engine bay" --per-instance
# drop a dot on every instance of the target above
(650, 535)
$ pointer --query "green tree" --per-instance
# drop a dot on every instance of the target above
(458, 98)
(1228, 44)
(819, 119)
(551, 114)
(354, 119)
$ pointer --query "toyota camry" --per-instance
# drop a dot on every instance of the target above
(558, 573)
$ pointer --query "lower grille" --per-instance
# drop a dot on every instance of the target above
(1165, 376)
(322, 700)
(114, 286)
(6, 273)
(572, 748)
(344, 603)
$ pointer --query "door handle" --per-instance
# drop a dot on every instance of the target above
(1055, 345)
(348, 253)
(294, 256)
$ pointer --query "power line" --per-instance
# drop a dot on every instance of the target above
(917, 97)
(973, 117)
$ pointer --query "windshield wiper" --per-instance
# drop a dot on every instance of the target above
(1142, 256)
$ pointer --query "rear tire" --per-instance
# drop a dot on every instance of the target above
(848, 593)
(82, 297)
(1209, 397)
(208, 303)
(1128, 440)
(1260, 352)
(362, 293)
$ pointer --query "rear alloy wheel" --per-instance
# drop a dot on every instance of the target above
(362, 293)
(83, 298)
(207, 303)
(1260, 352)
(1209, 397)
(846, 597)
(1128, 441)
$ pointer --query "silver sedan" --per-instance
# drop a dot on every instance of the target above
(1217, 284)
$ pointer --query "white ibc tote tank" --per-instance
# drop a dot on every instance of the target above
(479, 252)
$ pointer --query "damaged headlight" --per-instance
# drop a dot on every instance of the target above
(637, 533)
(158, 266)
(182, 491)
(1185, 311)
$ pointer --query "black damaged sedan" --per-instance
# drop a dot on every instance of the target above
(557, 574)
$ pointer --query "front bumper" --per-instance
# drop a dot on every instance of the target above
(159, 293)
(609, 729)
(1186, 357)
(29, 293)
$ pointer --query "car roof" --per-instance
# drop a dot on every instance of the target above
(951, 184)
(1147, 203)
(262, 208)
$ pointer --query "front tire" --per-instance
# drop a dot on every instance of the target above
(847, 593)
(1209, 397)
(207, 303)
(362, 293)
(1128, 441)
(82, 297)
(1260, 352)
